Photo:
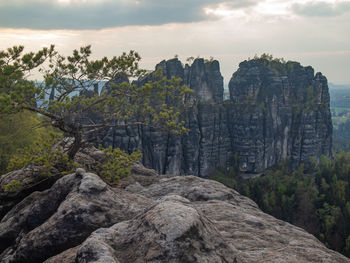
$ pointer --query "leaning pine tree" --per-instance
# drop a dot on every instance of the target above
(66, 98)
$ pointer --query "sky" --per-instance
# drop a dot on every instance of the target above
(313, 32)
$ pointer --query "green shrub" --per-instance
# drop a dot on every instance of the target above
(43, 153)
(19, 131)
(13, 186)
(118, 165)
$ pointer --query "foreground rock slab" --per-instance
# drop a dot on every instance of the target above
(151, 218)
(49, 222)
(169, 231)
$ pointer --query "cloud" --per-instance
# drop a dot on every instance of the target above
(231, 5)
(322, 9)
(93, 14)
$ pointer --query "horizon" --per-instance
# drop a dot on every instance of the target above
(312, 32)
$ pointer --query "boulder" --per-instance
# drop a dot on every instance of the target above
(49, 222)
(172, 230)
(150, 218)
(16, 185)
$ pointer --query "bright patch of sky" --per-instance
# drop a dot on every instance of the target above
(313, 32)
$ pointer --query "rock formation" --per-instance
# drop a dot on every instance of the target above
(277, 111)
(34, 178)
(149, 218)
(285, 114)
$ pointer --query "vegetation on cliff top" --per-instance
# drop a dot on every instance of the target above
(279, 66)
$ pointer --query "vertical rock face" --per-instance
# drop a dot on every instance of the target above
(276, 111)
(206, 80)
(279, 111)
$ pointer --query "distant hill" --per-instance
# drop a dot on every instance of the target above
(333, 86)
(340, 109)
(340, 95)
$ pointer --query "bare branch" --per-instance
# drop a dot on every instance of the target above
(42, 112)
(93, 104)
(105, 125)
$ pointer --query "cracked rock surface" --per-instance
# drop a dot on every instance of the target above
(273, 114)
(149, 218)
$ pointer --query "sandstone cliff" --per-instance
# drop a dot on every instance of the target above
(277, 111)
(150, 218)
(285, 114)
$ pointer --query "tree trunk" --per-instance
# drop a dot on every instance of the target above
(76, 145)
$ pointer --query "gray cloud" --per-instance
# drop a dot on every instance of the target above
(319, 8)
(239, 4)
(46, 14)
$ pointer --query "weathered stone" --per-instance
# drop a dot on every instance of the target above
(170, 219)
(134, 188)
(279, 112)
(46, 223)
(36, 178)
(29, 179)
(170, 231)
(273, 115)
(68, 256)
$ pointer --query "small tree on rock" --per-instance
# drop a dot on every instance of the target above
(69, 93)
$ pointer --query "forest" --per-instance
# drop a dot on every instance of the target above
(316, 199)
